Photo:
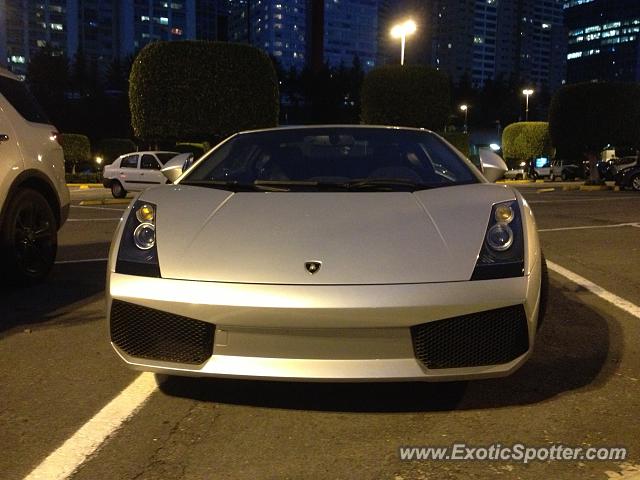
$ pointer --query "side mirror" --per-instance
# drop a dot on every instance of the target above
(174, 167)
(493, 166)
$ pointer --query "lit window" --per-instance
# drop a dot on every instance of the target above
(56, 26)
(144, 18)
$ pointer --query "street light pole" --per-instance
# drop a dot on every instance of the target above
(465, 109)
(401, 31)
(527, 92)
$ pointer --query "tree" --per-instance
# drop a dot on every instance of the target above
(587, 117)
(48, 77)
(524, 141)
(409, 95)
(199, 90)
(76, 149)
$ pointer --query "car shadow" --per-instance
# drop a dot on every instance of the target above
(571, 353)
(68, 285)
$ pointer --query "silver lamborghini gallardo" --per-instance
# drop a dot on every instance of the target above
(329, 253)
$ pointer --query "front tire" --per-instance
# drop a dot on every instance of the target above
(634, 182)
(29, 238)
(117, 190)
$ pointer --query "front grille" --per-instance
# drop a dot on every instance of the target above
(486, 338)
(148, 333)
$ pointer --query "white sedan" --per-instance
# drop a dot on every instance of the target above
(135, 171)
(328, 253)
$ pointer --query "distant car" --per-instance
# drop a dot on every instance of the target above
(565, 170)
(34, 199)
(540, 168)
(134, 172)
(616, 165)
(326, 253)
(518, 172)
(629, 177)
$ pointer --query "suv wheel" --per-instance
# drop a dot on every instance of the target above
(29, 238)
(635, 182)
(117, 190)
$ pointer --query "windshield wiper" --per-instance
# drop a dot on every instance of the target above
(234, 185)
(386, 184)
(301, 183)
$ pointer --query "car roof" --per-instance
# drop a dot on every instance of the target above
(147, 151)
(6, 73)
(335, 126)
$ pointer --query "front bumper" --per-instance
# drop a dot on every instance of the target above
(322, 333)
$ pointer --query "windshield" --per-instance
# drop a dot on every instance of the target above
(333, 159)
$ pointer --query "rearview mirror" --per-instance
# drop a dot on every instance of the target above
(493, 166)
(174, 167)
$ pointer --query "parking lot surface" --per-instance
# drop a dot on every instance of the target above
(581, 387)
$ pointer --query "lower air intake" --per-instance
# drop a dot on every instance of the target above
(156, 335)
(486, 338)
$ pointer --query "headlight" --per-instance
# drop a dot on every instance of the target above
(502, 252)
(138, 254)
(499, 237)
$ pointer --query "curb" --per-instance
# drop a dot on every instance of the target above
(106, 201)
(545, 190)
(84, 186)
(598, 188)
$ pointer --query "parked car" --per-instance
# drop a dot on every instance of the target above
(516, 172)
(540, 168)
(34, 199)
(566, 170)
(327, 253)
(616, 165)
(133, 172)
(629, 177)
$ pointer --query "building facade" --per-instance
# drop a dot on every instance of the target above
(284, 29)
(604, 40)
(482, 40)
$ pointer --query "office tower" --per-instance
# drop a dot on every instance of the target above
(604, 40)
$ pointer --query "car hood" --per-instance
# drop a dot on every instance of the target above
(359, 238)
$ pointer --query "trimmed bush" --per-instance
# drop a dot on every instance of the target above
(111, 148)
(409, 96)
(190, 90)
(586, 117)
(524, 141)
(76, 148)
(459, 140)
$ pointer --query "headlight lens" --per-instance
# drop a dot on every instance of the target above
(504, 213)
(138, 252)
(502, 252)
(146, 213)
(500, 237)
(144, 236)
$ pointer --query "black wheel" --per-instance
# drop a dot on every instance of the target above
(552, 178)
(29, 238)
(117, 190)
(564, 177)
(519, 177)
(634, 182)
(544, 291)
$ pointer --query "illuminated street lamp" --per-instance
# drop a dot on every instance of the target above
(527, 92)
(401, 31)
(465, 108)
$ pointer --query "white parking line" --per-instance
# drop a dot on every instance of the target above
(66, 459)
(588, 227)
(100, 208)
(86, 260)
(621, 303)
(110, 219)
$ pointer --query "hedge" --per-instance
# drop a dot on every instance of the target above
(76, 148)
(194, 90)
(524, 141)
(111, 148)
(409, 95)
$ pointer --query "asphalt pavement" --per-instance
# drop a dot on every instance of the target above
(581, 387)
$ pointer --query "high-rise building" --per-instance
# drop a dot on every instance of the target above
(481, 40)
(351, 30)
(284, 29)
(604, 40)
(212, 19)
(279, 27)
(30, 25)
